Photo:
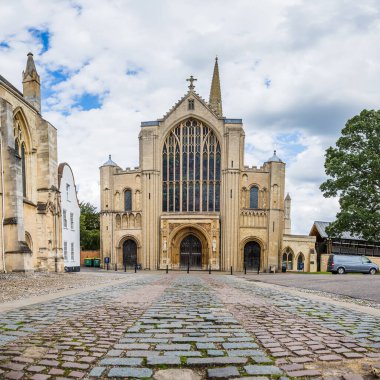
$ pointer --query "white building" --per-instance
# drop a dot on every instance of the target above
(70, 218)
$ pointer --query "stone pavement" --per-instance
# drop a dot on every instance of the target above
(187, 326)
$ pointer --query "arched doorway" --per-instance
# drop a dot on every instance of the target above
(252, 253)
(129, 253)
(191, 252)
(300, 262)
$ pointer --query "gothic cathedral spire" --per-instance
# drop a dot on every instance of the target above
(31, 84)
(215, 93)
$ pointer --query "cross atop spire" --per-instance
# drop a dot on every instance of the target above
(215, 92)
(191, 80)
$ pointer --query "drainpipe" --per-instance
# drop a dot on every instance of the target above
(2, 203)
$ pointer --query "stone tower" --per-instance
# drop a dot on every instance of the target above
(31, 84)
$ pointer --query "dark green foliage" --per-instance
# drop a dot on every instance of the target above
(354, 171)
(89, 227)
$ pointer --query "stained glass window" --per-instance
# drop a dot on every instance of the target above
(128, 200)
(254, 197)
(191, 169)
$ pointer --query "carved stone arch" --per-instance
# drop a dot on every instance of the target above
(118, 221)
(117, 200)
(20, 119)
(125, 221)
(180, 120)
(300, 261)
(138, 180)
(120, 245)
(254, 198)
(288, 258)
(138, 220)
(181, 232)
(29, 241)
(252, 254)
(125, 190)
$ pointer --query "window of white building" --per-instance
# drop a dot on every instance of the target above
(67, 191)
(72, 251)
(65, 250)
(64, 216)
(71, 220)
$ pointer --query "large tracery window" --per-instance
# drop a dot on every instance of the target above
(191, 163)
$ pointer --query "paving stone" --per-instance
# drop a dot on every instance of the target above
(352, 376)
(176, 374)
(352, 355)
(330, 358)
(239, 345)
(121, 361)
(262, 370)
(40, 376)
(173, 347)
(141, 353)
(97, 371)
(245, 353)
(224, 373)
(168, 360)
(183, 353)
(304, 373)
(206, 346)
(216, 360)
(130, 372)
(14, 375)
(215, 352)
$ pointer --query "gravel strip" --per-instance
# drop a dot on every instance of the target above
(16, 286)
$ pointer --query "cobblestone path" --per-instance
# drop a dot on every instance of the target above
(307, 338)
(187, 326)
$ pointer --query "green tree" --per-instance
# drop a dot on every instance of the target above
(89, 227)
(354, 170)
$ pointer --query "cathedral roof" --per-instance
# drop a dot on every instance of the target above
(288, 197)
(110, 162)
(274, 158)
(191, 92)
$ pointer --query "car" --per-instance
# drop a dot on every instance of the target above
(351, 264)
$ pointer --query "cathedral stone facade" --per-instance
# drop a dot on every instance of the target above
(192, 203)
(30, 232)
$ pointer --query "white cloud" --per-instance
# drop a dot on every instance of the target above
(320, 57)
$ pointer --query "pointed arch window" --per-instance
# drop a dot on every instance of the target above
(128, 200)
(21, 150)
(254, 197)
(23, 167)
(191, 169)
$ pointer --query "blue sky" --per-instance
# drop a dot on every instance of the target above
(293, 70)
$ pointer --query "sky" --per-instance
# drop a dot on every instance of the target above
(294, 70)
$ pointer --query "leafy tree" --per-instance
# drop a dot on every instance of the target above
(89, 227)
(354, 168)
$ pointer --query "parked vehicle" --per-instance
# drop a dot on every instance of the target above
(351, 263)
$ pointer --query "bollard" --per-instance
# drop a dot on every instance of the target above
(108, 266)
(135, 268)
(231, 270)
(209, 269)
(125, 267)
(115, 267)
(167, 269)
(245, 269)
(258, 270)
(188, 267)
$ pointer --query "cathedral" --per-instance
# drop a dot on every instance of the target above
(193, 204)
(30, 229)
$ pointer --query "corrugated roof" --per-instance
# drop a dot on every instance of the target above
(321, 227)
